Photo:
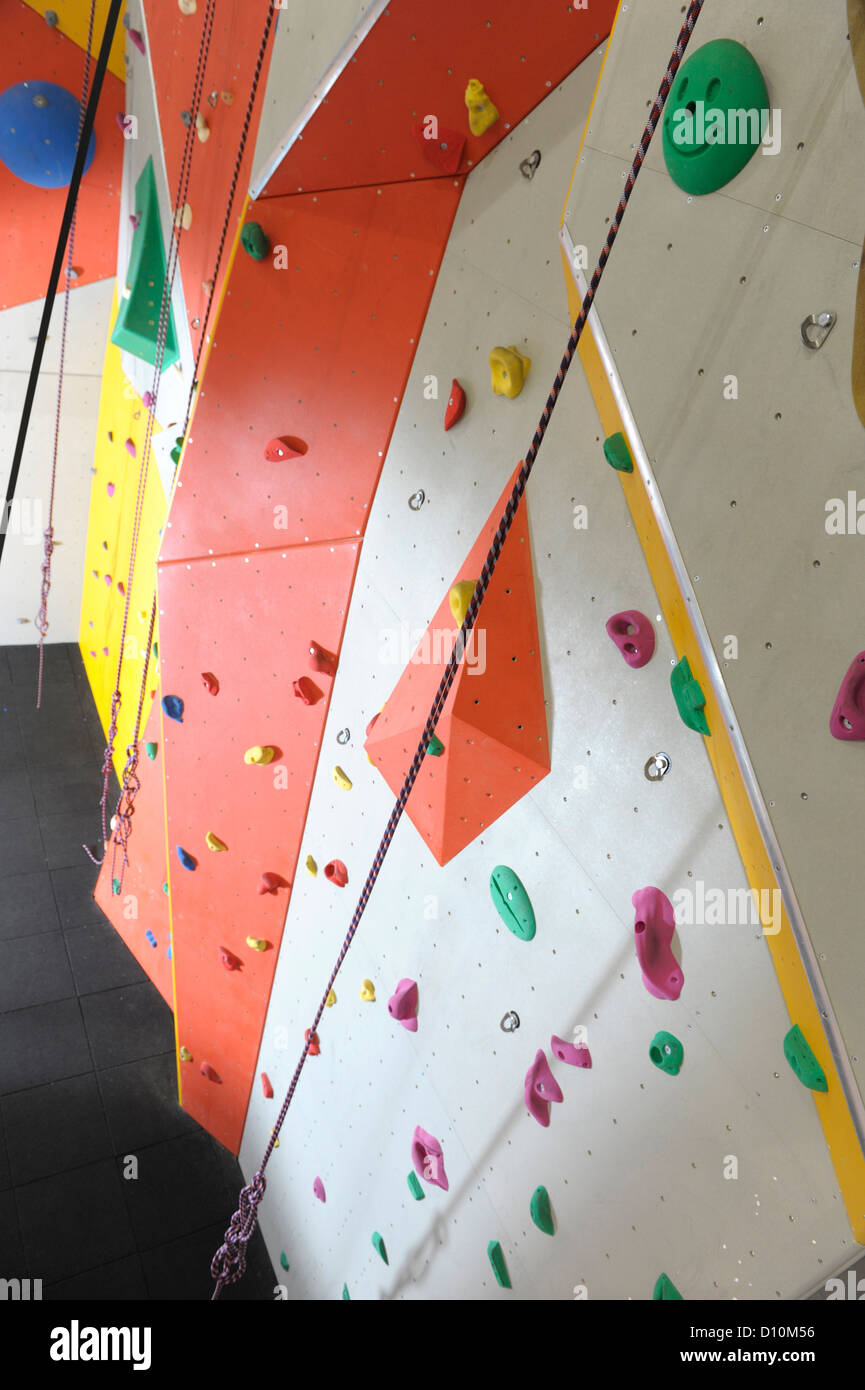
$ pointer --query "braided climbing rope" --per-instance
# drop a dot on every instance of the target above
(130, 785)
(229, 1262)
(48, 535)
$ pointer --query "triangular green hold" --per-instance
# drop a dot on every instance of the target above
(165, 887)
(617, 453)
(150, 750)
(115, 886)
(414, 1186)
(345, 1293)
(435, 747)
(542, 1215)
(803, 1061)
(378, 1244)
(283, 1259)
(137, 322)
(497, 1260)
(690, 700)
(665, 1291)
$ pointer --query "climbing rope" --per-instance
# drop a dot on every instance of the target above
(130, 784)
(41, 621)
(229, 1262)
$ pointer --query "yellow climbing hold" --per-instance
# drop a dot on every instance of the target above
(367, 991)
(213, 841)
(202, 129)
(259, 754)
(311, 866)
(341, 780)
(482, 113)
(187, 6)
(460, 597)
(256, 944)
(185, 1055)
(509, 371)
(183, 217)
(330, 1000)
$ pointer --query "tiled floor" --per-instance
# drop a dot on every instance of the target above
(87, 1071)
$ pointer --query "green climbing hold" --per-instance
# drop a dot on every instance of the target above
(497, 1260)
(716, 116)
(512, 902)
(156, 651)
(617, 453)
(165, 887)
(283, 1260)
(115, 886)
(378, 1244)
(137, 323)
(345, 1293)
(690, 700)
(414, 1186)
(665, 1291)
(254, 241)
(177, 450)
(435, 747)
(541, 1212)
(667, 1053)
(150, 750)
(803, 1061)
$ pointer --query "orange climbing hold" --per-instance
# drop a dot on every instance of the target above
(314, 1048)
(210, 683)
(271, 883)
(336, 872)
(228, 960)
(307, 690)
(285, 447)
(207, 1070)
(321, 660)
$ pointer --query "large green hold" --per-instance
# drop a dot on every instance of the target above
(512, 902)
(689, 697)
(617, 453)
(665, 1291)
(541, 1211)
(803, 1061)
(254, 241)
(497, 1260)
(137, 324)
(715, 117)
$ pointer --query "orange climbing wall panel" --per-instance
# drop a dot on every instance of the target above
(319, 350)
(257, 560)
(174, 40)
(417, 61)
(493, 725)
(32, 216)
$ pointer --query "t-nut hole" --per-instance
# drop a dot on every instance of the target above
(639, 926)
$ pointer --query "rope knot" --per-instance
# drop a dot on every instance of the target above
(229, 1263)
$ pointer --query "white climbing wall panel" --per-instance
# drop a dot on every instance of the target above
(633, 1159)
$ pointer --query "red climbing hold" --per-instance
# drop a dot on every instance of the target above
(307, 690)
(456, 404)
(207, 1070)
(271, 883)
(321, 660)
(266, 1086)
(444, 150)
(285, 447)
(228, 960)
(314, 1048)
(210, 683)
(336, 872)
(847, 720)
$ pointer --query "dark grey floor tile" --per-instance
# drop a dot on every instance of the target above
(179, 1271)
(49, 747)
(101, 959)
(24, 661)
(141, 1103)
(28, 905)
(122, 1280)
(61, 702)
(12, 754)
(179, 1190)
(66, 790)
(21, 849)
(73, 891)
(5, 1171)
(16, 793)
(74, 1221)
(5, 671)
(126, 1024)
(42, 1044)
(52, 1128)
(34, 970)
(12, 1258)
(64, 835)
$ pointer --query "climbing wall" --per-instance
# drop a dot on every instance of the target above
(73, 20)
(718, 1176)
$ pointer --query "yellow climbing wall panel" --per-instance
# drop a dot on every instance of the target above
(122, 417)
(73, 18)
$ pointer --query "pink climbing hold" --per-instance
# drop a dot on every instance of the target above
(130, 447)
(653, 933)
(207, 1070)
(122, 120)
(210, 683)
(456, 404)
(336, 872)
(136, 38)
(121, 587)
(637, 646)
(847, 720)
(575, 1056)
(428, 1159)
(314, 1049)
(318, 1189)
(109, 488)
(266, 1086)
(321, 660)
(402, 1004)
(148, 399)
(226, 958)
(271, 883)
(307, 690)
(108, 580)
(135, 219)
(541, 1087)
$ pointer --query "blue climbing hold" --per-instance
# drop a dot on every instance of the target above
(150, 937)
(173, 707)
(186, 859)
(39, 133)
